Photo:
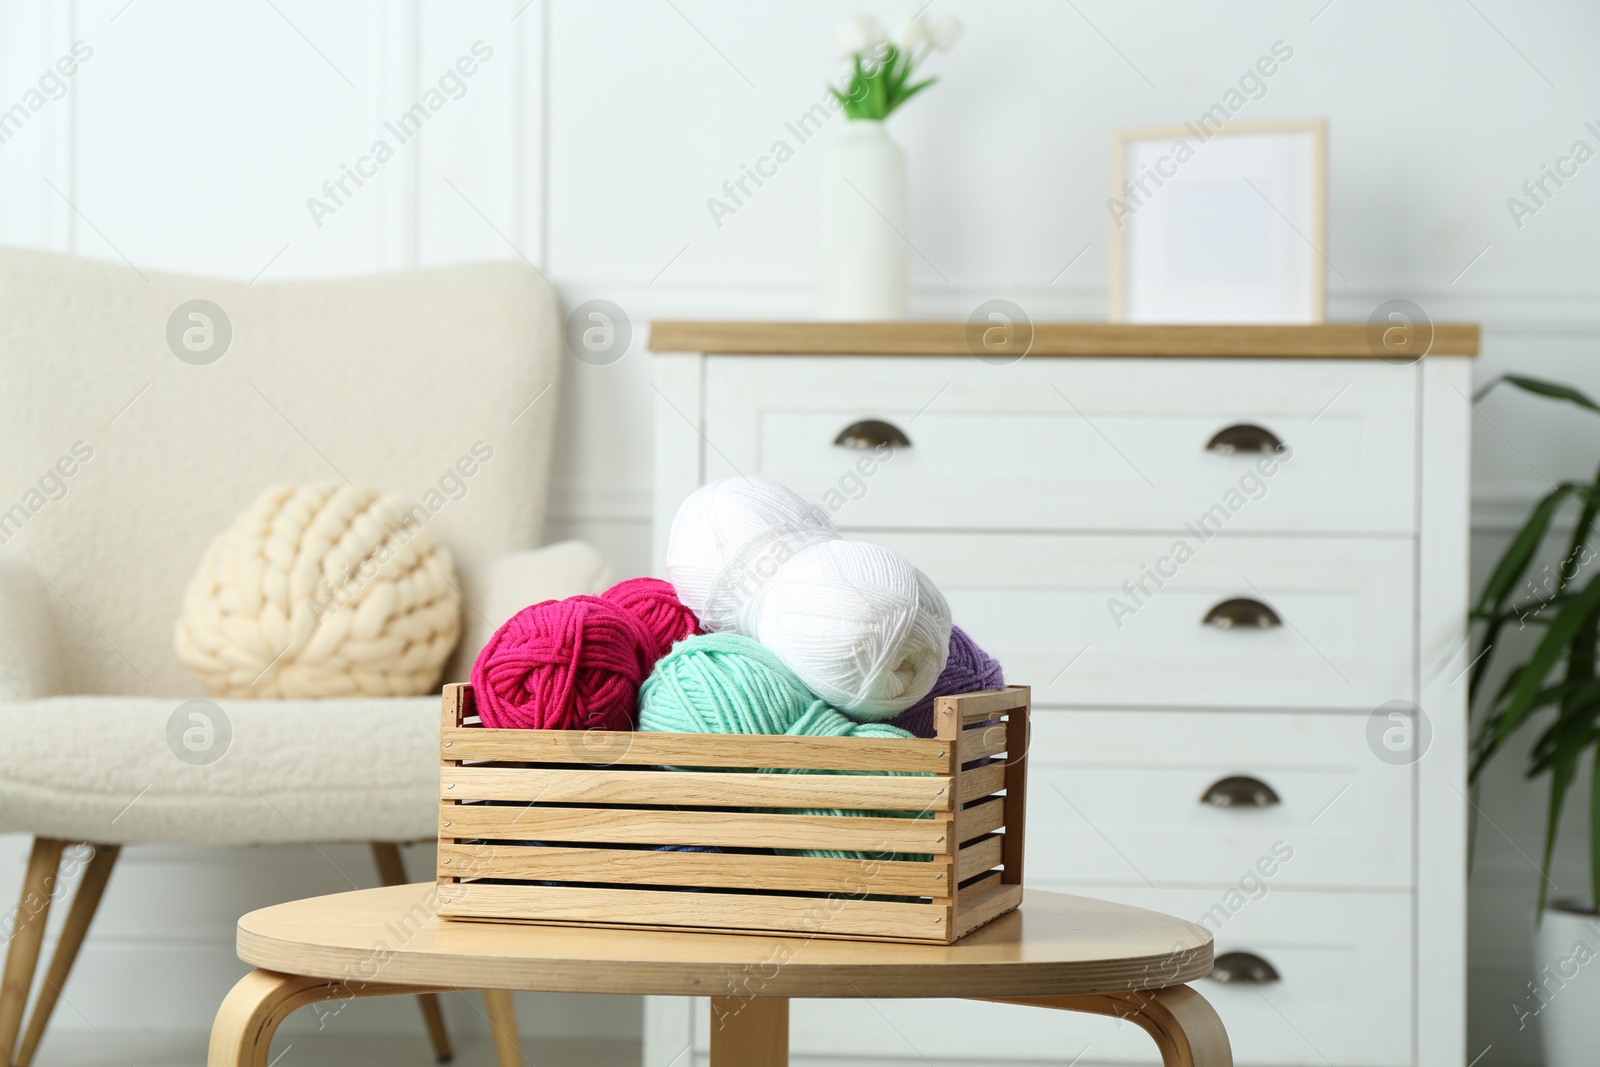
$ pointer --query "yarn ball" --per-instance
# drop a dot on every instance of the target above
(655, 604)
(729, 684)
(321, 591)
(858, 625)
(729, 538)
(968, 669)
(572, 664)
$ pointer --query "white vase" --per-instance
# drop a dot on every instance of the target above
(1566, 993)
(864, 261)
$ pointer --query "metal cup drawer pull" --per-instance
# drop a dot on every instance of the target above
(1243, 967)
(872, 433)
(1245, 437)
(1240, 791)
(1242, 612)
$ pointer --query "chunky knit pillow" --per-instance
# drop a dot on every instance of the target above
(321, 591)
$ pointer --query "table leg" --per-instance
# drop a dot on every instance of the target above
(749, 1032)
(252, 1010)
(1185, 1027)
(503, 1025)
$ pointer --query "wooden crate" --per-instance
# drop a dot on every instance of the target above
(565, 826)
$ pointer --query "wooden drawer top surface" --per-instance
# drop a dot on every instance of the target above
(1348, 340)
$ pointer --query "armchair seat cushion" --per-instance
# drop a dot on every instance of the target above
(137, 770)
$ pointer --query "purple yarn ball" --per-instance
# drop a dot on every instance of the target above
(968, 670)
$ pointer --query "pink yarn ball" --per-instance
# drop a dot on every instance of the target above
(573, 664)
(656, 605)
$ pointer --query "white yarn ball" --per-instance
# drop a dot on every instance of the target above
(859, 625)
(729, 538)
(321, 591)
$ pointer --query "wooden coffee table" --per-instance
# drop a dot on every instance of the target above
(1058, 951)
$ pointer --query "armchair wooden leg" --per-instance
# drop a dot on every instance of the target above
(84, 902)
(503, 1025)
(392, 871)
(252, 1010)
(1185, 1027)
(26, 935)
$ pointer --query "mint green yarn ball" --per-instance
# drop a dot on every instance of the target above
(724, 683)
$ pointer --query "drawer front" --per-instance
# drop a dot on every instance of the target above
(1343, 997)
(1057, 611)
(1082, 444)
(1117, 797)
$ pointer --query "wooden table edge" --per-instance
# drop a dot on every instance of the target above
(793, 980)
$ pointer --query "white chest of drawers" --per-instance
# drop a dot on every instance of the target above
(1232, 563)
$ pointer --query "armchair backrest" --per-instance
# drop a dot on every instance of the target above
(136, 424)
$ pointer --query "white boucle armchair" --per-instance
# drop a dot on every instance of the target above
(125, 446)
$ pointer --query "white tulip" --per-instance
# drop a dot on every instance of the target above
(859, 35)
(912, 30)
(908, 33)
(941, 33)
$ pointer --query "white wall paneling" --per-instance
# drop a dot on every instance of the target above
(591, 140)
(36, 151)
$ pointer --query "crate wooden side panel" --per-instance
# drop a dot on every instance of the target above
(455, 706)
(991, 797)
(563, 826)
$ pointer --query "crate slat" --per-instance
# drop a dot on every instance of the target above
(979, 856)
(975, 911)
(972, 891)
(981, 707)
(699, 788)
(722, 829)
(982, 781)
(983, 742)
(699, 869)
(722, 911)
(612, 748)
(980, 818)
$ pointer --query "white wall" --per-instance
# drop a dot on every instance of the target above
(589, 143)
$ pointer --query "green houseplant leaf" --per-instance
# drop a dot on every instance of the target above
(1573, 727)
(1509, 570)
(1569, 615)
(1574, 620)
(1594, 832)
(1540, 387)
(1520, 553)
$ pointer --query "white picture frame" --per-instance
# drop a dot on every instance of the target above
(1220, 225)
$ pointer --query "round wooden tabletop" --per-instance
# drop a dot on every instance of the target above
(1054, 945)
